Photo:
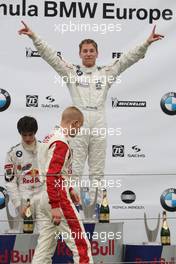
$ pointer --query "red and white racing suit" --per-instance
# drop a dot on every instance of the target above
(88, 88)
(22, 179)
(56, 164)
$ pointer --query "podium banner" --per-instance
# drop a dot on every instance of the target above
(154, 254)
(106, 244)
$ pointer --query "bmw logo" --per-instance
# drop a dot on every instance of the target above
(168, 200)
(19, 153)
(4, 100)
(168, 103)
(79, 72)
(3, 194)
(128, 197)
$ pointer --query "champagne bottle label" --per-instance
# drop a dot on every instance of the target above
(165, 232)
(28, 224)
(104, 217)
(28, 228)
(165, 240)
(104, 209)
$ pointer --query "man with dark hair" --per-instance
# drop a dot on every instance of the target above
(21, 171)
(27, 124)
(89, 93)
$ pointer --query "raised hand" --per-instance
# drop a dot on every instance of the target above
(25, 30)
(154, 36)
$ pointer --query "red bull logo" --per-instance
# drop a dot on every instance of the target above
(26, 167)
(96, 248)
(103, 250)
(34, 177)
(33, 180)
(32, 173)
(16, 256)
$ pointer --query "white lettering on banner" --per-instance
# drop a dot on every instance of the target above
(100, 236)
(104, 183)
(88, 27)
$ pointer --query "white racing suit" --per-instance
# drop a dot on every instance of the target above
(88, 88)
(22, 180)
(56, 164)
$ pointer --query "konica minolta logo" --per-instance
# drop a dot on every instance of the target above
(168, 103)
(128, 197)
(118, 103)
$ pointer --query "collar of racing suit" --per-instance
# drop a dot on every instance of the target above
(88, 69)
(32, 147)
(60, 130)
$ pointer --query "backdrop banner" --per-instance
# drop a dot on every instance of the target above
(140, 107)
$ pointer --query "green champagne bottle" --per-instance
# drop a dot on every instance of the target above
(104, 209)
(28, 223)
(165, 232)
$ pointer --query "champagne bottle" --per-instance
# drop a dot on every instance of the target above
(104, 209)
(165, 232)
(28, 223)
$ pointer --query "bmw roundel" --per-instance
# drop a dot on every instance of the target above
(19, 153)
(4, 100)
(79, 72)
(168, 200)
(168, 103)
(128, 197)
(3, 195)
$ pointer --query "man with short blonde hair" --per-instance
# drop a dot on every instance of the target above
(57, 207)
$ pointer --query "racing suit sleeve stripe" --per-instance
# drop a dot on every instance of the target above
(60, 150)
(75, 226)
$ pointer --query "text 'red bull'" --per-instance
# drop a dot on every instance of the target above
(96, 248)
(15, 256)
